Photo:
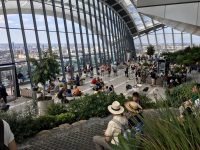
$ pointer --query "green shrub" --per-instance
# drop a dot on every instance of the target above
(56, 109)
(188, 56)
(94, 105)
(46, 122)
(179, 94)
(21, 125)
(146, 102)
(65, 118)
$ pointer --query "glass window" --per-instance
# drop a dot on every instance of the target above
(195, 40)
(168, 30)
(152, 38)
(137, 44)
(160, 38)
(61, 24)
(148, 21)
(5, 56)
(18, 46)
(144, 41)
(186, 39)
(169, 40)
(23, 68)
(2, 20)
(31, 44)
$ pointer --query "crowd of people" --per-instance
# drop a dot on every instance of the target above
(98, 85)
(63, 89)
(170, 77)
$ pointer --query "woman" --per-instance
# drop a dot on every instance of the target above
(114, 128)
(134, 115)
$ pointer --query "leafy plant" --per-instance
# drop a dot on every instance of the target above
(150, 50)
(165, 132)
(56, 109)
(65, 117)
(94, 105)
(45, 70)
(188, 56)
(177, 95)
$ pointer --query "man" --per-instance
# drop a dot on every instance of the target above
(21, 77)
(114, 67)
(109, 70)
(138, 75)
(7, 141)
(136, 97)
(113, 129)
(111, 88)
(126, 71)
(62, 94)
(91, 71)
(107, 91)
(77, 80)
(3, 93)
(153, 77)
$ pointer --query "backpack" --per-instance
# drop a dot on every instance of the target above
(125, 131)
(128, 87)
(2, 145)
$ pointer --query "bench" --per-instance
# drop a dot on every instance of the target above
(25, 92)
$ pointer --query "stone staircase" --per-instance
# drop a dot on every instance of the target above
(77, 136)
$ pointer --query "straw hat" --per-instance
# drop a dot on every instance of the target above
(116, 108)
(133, 107)
(187, 104)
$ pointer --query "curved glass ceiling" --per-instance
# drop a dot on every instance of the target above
(142, 22)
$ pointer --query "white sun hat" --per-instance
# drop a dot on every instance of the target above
(116, 108)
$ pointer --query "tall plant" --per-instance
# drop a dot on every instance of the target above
(188, 56)
(150, 50)
(44, 70)
(165, 132)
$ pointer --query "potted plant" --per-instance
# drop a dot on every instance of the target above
(150, 51)
(44, 70)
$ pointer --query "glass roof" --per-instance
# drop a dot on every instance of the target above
(142, 22)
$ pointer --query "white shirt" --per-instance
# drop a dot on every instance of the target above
(114, 129)
(8, 135)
